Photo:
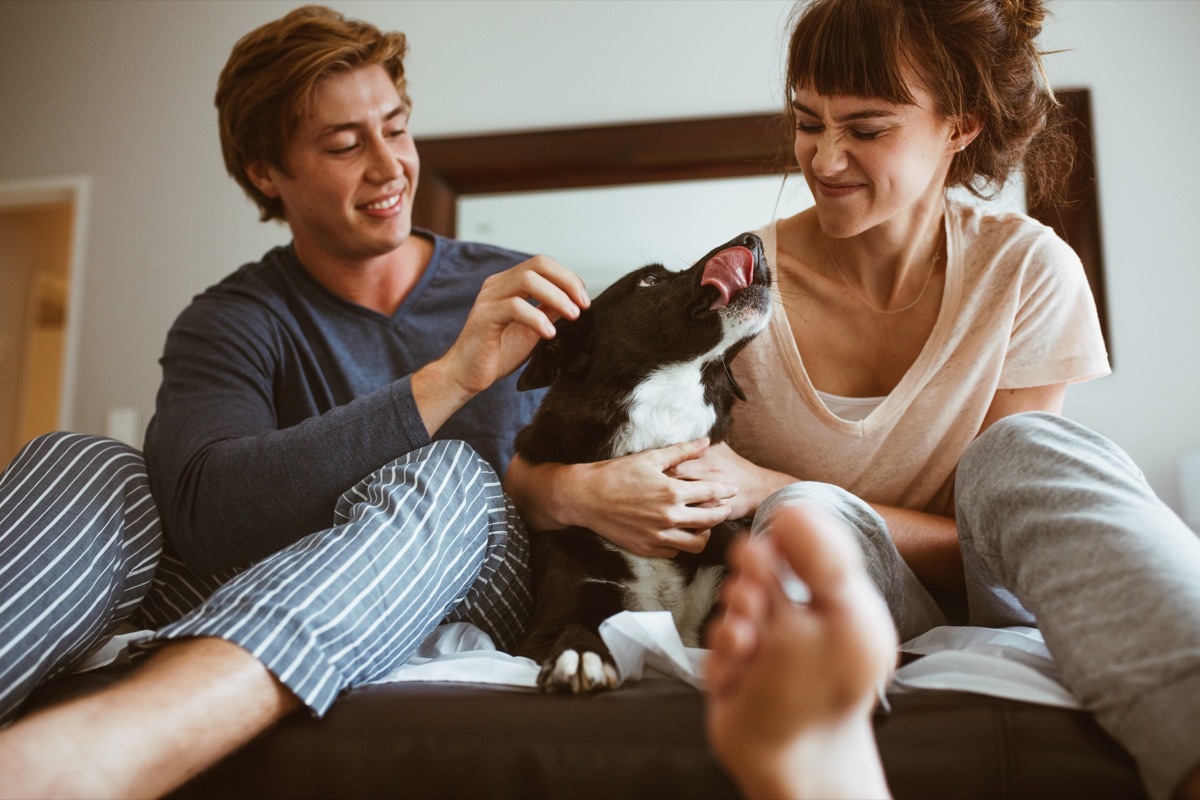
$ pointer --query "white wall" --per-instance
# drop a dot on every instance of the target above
(122, 92)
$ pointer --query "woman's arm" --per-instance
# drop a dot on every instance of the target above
(929, 542)
(633, 501)
(1015, 401)
(660, 502)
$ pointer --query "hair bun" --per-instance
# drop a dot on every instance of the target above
(1024, 17)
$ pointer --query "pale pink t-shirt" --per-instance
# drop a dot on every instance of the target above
(1016, 313)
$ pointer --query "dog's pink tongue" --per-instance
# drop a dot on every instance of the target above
(730, 271)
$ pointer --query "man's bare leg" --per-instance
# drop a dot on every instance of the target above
(192, 703)
(792, 688)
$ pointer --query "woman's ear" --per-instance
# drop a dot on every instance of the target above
(964, 131)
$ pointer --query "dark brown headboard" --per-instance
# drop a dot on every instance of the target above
(692, 149)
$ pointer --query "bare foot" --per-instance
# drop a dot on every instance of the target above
(792, 687)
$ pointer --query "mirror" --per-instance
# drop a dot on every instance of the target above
(604, 232)
(606, 199)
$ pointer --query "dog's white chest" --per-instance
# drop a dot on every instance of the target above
(666, 408)
(660, 585)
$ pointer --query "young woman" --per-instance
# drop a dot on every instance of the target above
(906, 396)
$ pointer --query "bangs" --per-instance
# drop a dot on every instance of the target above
(850, 47)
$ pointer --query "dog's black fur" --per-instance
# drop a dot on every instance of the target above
(645, 366)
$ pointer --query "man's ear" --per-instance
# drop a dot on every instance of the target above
(261, 176)
(551, 357)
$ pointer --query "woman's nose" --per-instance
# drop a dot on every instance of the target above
(830, 156)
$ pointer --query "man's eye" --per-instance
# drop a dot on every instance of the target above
(338, 151)
(649, 279)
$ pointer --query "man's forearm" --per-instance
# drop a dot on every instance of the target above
(437, 396)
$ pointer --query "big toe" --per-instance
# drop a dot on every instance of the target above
(819, 549)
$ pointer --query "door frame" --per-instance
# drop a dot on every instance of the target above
(75, 190)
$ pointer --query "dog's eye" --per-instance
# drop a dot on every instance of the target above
(649, 279)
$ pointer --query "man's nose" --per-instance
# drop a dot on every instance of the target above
(383, 165)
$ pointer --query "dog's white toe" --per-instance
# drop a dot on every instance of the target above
(565, 668)
(597, 674)
(577, 673)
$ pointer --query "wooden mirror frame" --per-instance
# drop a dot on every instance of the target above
(695, 149)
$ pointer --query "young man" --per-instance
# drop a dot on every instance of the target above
(313, 533)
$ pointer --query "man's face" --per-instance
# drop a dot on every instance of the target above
(351, 174)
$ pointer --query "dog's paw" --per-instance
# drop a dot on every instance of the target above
(574, 673)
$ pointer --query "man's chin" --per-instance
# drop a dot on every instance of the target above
(383, 243)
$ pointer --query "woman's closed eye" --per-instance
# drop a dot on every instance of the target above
(865, 134)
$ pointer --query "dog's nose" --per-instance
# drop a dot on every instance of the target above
(748, 240)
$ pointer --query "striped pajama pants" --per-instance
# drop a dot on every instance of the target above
(429, 538)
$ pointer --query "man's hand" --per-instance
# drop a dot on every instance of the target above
(500, 332)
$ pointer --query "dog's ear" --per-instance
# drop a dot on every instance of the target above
(550, 357)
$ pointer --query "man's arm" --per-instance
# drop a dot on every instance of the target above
(235, 483)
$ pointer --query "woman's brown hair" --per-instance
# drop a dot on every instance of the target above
(976, 58)
(268, 83)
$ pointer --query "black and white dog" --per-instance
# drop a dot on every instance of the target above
(644, 367)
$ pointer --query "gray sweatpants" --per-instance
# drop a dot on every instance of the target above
(1059, 528)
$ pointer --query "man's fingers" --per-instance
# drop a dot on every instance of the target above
(564, 278)
(551, 298)
(546, 281)
(531, 317)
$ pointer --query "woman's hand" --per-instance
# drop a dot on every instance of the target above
(501, 330)
(633, 501)
(719, 463)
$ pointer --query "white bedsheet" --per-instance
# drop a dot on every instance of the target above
(1011, 662)
(1007, 662)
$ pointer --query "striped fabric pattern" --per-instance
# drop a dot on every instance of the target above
(79, 540)
(429, 535)
(500, 601)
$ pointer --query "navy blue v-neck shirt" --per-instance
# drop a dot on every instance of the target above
(278, 395)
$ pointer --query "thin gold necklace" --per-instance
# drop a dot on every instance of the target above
(937, 251)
